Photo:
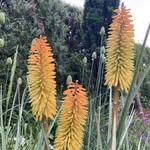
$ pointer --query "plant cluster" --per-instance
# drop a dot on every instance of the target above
(35, 116)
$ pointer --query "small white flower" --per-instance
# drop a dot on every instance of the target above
(21, 140)
(51, 147)
(144, 65)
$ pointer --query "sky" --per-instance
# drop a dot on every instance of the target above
(140, 11)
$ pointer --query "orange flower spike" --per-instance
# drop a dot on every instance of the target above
(69, 135)
(41, 79)
(119, 51)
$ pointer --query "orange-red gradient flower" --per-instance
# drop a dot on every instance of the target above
(120, 54)
(73, 116)
(41, 79)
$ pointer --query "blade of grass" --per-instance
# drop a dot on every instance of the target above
(54, 121)
(1, 123)
(30, 139)
(45, 139)
(13, 69)
(146, 142)
(139, 145)
(127, 141)
(125, 131)
(144, 75)
(11, 113)
(46, 143)
(17, 145)
(39, 144)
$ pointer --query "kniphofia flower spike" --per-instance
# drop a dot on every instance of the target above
(41, 79)
(119, 52)
(69, 135)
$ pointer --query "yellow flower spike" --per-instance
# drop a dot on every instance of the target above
(69, 135)
(41, 79)
(119, 51)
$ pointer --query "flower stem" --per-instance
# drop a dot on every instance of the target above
(115, 116)
(45, 124)
(90, 79)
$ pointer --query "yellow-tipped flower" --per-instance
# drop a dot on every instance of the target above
(41, 79)
(73, 116)
(120, 54)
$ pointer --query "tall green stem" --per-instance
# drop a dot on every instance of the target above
(45, 124)
(90, 76)
(90, 125)
(115, 115)
(110, 116)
